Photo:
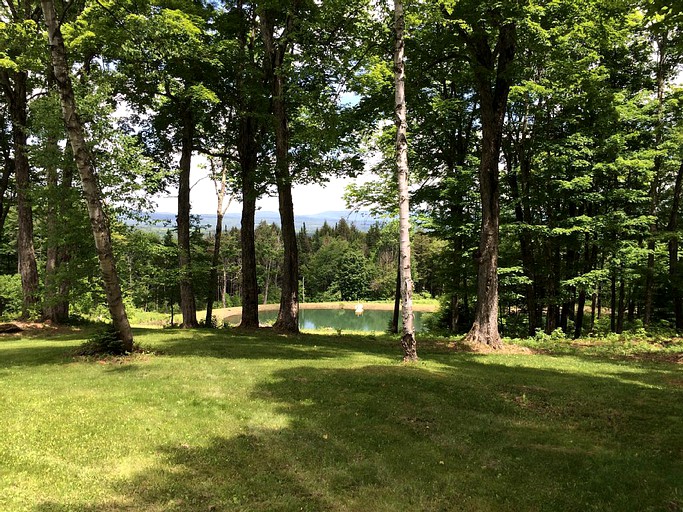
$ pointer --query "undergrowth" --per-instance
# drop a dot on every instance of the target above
(104, 342)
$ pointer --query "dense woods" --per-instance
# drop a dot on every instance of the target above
(544, 142)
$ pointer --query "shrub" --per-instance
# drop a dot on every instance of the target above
(104, 342)
(10, 295)
(557, 335)
(213, 324)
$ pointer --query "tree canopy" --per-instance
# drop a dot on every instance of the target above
(544, 142)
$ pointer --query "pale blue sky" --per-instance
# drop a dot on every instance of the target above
(308, 199)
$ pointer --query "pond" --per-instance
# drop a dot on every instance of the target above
(338, 319)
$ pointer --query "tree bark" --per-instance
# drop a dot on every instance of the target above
(408, 342)
(588, 259)
(224, 291)
(397, 300)
(654, 189)
(59, 202)
(247, 150)
(526, 247)
(288, 314)
(61, 308)
(51, 242)
(14, 84)
(266, 285)
(613, 302)
(55, 299)
(674, 266)
(553, 285)
(650, 277)
(249, 278)
(212, 292)
(493, 86)
(581, 304)
(7, 168)
(98, 219)
(188, 306)
(621, 307)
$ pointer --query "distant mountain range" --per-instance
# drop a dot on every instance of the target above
(362, 220)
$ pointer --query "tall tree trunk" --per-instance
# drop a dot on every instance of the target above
(613, 302)
(247, 150)
(5, 201)
(212, 292)
(249, 278)
(397, 299)
(599, 298)
(225, 287)
(266, 284)
(523, 216)
(493, 86)
(553, 286)
(567, 309)
(631, 309)
(594, 303)
(454, 315)
(674, 266)
(59, 204)
(91, 191)
(188, 306)
(408, 342)
(288, 314)
(14, 84)
(654, 189)
(650, 277)
(61, 308)
(52, 295)
(526, 253)
(621, 308)
(588, 259)
(578, 323)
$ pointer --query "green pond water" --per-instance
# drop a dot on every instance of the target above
(336, 319)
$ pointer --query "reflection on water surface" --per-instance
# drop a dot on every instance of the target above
(338, 319)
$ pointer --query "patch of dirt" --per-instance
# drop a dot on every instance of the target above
(655, 357)
(506, 348)
(449, 345)
(10, 328)
(42, 328)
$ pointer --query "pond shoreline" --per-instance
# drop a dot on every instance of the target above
(236, 311)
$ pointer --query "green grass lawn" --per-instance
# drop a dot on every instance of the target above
(222, 420)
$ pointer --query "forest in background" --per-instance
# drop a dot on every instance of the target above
(588, 175)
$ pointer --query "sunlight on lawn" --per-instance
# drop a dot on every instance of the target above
(215, 420)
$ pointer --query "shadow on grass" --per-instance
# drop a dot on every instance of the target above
(469, 437)
(35, 356)
(267, 344)
(225, 344)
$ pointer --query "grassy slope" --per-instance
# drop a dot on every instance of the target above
(229, 421)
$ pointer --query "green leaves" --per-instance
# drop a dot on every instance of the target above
(21, 46)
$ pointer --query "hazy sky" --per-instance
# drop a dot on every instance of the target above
(308, 199)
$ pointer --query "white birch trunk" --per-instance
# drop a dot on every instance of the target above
(408, 337)
(91, 191)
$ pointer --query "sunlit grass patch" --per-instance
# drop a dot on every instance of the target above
(226, 420)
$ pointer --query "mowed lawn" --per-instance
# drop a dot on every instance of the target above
(214, 421)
